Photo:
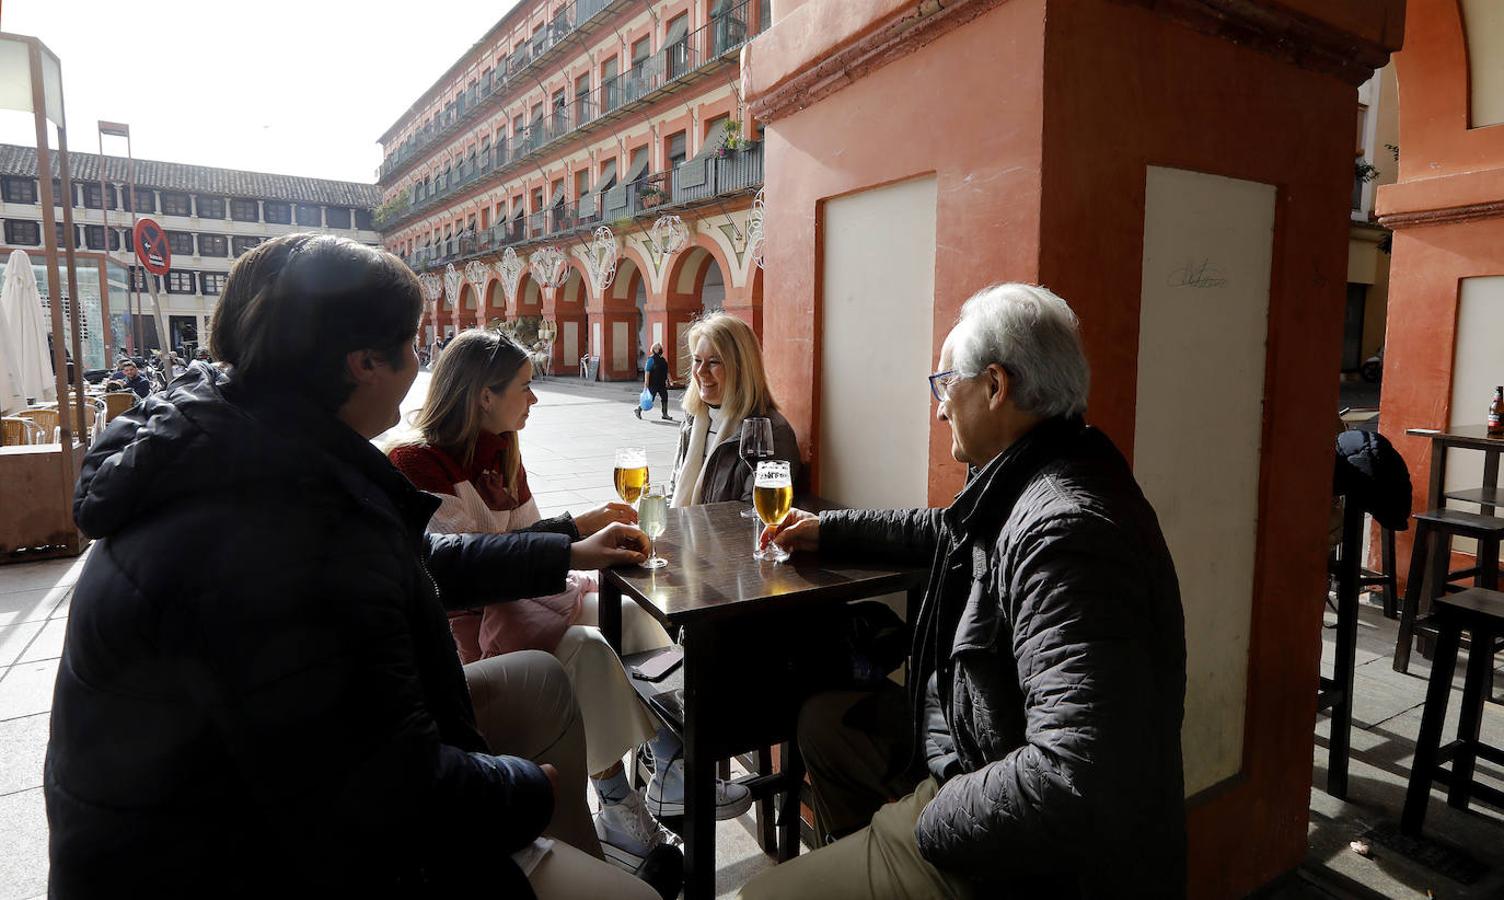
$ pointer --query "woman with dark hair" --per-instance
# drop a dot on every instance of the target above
(296, 717)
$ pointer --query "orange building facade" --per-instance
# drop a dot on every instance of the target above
(589, 164)
(1446, 301)
(1174, 171)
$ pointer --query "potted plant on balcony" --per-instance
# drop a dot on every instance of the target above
(651, 195)
(731, 138)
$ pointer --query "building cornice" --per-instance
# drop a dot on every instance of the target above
(1442, 199)
(1275, 27)
(1446, 216)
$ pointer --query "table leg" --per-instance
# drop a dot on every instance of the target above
(1490, 478)
(699, 770)
(767, 833)
(608, 611)
(788, 822)
(1435, 498)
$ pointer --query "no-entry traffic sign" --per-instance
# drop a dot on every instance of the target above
(151, 247)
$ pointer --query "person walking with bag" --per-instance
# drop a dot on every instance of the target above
(655, 380)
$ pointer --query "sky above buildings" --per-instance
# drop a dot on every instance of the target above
(293, 87)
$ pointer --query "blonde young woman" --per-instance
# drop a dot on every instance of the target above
(727, 385)
(464, 449)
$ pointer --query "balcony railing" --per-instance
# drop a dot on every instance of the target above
(736, 172)
(547, 38)
(696, 50)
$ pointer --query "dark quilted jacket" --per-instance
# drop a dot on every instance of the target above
(1052, 638)
(258, 694)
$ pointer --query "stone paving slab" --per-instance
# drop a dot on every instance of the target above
(17, 607)
(23, 746)
(26, 689)
(23, 835)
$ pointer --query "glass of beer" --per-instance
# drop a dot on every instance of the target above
(631, 473)
(652, 518)
(772, 495)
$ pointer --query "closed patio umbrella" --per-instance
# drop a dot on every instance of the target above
(10, 394)
(26, 331)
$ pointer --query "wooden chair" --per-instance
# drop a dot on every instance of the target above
(45, 419)
(18, 432)
(117, 403)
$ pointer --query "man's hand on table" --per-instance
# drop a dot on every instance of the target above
(594, 520)
(618, 544)
(799, 530)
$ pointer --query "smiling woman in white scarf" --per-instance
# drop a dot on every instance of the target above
(727, 385)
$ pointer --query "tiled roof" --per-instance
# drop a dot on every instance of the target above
(16, 160)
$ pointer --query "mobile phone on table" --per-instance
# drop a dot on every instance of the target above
(657, 668)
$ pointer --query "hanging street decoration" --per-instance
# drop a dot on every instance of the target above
(476, 274)
(756, 239)
(601, 260)
(549, 266)
(510, 269)
(669, 235)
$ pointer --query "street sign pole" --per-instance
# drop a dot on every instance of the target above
(155, 254)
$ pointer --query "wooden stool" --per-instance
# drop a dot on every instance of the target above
(1479, 612)
(1386, 578)
(1434, 531)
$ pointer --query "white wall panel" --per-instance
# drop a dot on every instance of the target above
(1208, 243)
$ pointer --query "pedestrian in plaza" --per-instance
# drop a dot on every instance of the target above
(130, 378)
(1036, 751)
(727, 385)
(655, 380)
(465, 451)
(258, 693)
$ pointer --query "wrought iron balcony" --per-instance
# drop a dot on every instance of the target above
(697, 50)
(466, 105)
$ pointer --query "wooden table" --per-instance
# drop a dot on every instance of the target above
(735, 616)
(1466, 437)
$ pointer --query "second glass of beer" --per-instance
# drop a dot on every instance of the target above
(631, 473)
(772, 495)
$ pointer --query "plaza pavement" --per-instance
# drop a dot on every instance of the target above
(568, 449)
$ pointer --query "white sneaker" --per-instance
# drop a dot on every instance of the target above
(666, 795)
(628, 834)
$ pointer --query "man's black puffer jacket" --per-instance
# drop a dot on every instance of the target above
(259, 694)
(1053, 638)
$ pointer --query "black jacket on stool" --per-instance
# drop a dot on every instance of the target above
(259, 694)
(1051, 638)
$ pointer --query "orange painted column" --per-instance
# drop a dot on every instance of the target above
(1039, 121)
(1447, 212)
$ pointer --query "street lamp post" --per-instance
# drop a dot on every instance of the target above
(132, 295)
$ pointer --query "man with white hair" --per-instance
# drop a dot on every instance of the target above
(1036, 751)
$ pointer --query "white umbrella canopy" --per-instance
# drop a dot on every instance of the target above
(25, 331)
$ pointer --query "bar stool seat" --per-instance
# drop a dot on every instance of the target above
(1434, 532)
(1480, 613)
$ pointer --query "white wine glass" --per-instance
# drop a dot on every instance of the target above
(756, 445)
(652, 518)
(772, 496)
(631, 473)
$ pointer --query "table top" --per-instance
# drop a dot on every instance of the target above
(1475, 436)
(711, 572)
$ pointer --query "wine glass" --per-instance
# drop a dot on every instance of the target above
(631, 473)
(756, 445)
(772, 495)
(652, 518)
